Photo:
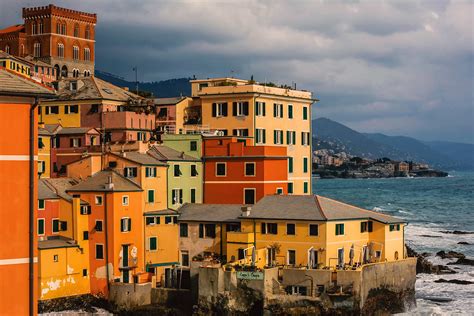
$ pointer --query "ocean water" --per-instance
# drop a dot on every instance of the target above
(433, 207)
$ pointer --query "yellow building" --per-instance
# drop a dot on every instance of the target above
(161, 244)
(16, 65)
(316, 232)
(63, 262)
(44, 153)
(270, 115)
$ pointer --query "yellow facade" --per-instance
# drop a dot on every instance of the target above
(64, 117)
(44, 155)
(64, 263)
(16, 66)
(294, 120)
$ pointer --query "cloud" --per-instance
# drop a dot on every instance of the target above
(401, 67)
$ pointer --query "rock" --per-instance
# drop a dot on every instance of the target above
(456, 232)
(463, 261)
(438, 299)
(463, 243)
(424, 266)
(450, 255)
(431, 236)
(463, 282)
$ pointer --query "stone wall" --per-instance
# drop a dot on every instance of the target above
(126, 296)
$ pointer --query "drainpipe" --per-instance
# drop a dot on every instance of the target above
(255, 119)
(31, 205)
(254, 240)
(106, 231)
(222, 240)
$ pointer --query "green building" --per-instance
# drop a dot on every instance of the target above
(190, 144)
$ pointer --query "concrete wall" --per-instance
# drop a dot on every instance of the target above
(128, 295)
(171, 297)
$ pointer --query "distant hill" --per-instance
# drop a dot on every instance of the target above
(328, 134)
(161, 89)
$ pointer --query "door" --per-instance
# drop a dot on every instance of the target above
(125, 273)
(340, 257)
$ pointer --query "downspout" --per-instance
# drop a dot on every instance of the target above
(106, 243)
(222, 240)
(254, 240)
(404, 246)
(31, 204)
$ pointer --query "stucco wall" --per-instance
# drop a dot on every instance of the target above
(126, 296)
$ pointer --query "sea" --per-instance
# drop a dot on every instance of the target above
(434, 208)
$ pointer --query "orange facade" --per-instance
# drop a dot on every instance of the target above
(14, 206)
(48, 218)
(235, 172)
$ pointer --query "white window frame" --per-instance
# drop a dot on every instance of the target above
(225, 173)
(220, 109)
(52, 226)
(125, 200)
(181, 257)
(87, 54)
(254, 169)
(279, 138)
(279, 188)
(239, 109)
(306, 138)
(37, 50)
(126, 229)
(292, 111)
(126, 170)
(97, 197)
(288, 257)
(254, 194)
(44, 226)
(260, 106)
(292, 138)
(148, 196)
(260, 132)
(75, 52)
(44, 204)
(60, 48)
(41, 166)
(149, 244)
(178, 196)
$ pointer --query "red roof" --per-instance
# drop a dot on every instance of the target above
(13, 28)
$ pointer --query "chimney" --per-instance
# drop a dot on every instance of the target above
(109, 185)
(246, 211)
(181, 155)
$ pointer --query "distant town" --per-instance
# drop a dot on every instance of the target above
(327, 165)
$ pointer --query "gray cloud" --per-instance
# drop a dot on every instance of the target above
(397, 67)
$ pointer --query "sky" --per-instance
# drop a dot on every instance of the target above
(394, 67)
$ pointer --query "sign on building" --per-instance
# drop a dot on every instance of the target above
(249, 275)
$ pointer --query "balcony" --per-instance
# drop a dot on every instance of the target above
(240, 237)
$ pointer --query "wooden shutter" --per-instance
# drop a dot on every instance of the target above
(275, 137)
(129, 224)
(264, 135)
(264, 106)
(214, 109)
(246, 108)
(121, 225)
(294, 138)
(263, 228)
(281, 110)
(201, 230)
(288, 137)
(224, 109)
(257, 136)
(234, 108)
(274, 110)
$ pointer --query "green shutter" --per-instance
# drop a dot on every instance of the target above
(305, 165)
(305, 187)
(288, 137)
(153, 243)
(193, 195)
(290, 164)
(290, 111)
(41, 227)
(151, 196)
(305, 113)
(294, 138)
(257, 136)
(275, 137)
(264, 134)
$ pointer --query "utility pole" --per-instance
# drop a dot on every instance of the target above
(136, 78)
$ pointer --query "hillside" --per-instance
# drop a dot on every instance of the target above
(162, 89)
(328, 134)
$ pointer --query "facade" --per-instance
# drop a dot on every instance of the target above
(115, 228)
(44, 152)
(48, 223)
(173, 114)
(185, 175)
(189, 144)
(236, 172)
(18, 187)
(269, 115)
(16, 65)
(62, 38)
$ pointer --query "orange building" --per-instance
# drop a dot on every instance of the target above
(115, 230)
(235, 172)
(18, 186)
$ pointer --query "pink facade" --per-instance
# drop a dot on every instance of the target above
(48, 211)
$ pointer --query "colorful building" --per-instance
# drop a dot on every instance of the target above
(236, 172)
(268, 114)
(185, 175)
(18, 187)
(174, 114)
(115, 228)
(189, 144)
(316, 232)
(16, 65)
(44, 152)
(48, 223)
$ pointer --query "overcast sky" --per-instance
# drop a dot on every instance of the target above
(396, 67)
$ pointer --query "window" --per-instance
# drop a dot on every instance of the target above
(193, 145)
(305, 187)
(291, 137)
(305, 112)
(84, 272)
(41, 27)
(76, 30)
(394, 227)
(232, 227)
(87, 33)
(269, 228)
(219, 109)
(153, 243)
(85, 235)
(170, 219)
(366, 226)
(52, 110)
(99, 251)
(75, 142)
(75, 53)
(313, 229)
(290, 164)
(241, 254)
(339, 229)
(249, 196)
(125, 224)
(125, 200)
(221, 169)
(277, 110)
(297, 290)
(68, 109)
(305, 164)
(279, 191)
(63, 28)
(193, 195)
(55, 258)
(260, 108)
(290, 187)
(41, 204)
(290, 229)
(150, 172)
(98, 200)
(207, 231)
(250, 169)
(240, 108)
(41, 226)
(177, 196)
(98, 226)
(260, 136)
(34, 29)
(152, 220)
(203, 85)
(130, 172)
(55, 225)
(290, 111)
(194, 171)
(305, 138)
(63, 226)
(185, 258)
(87, 55)
(177, 171)
(278, 137)
(37, 50)
(291, 257)
(60, 50)
(240, 132)
(183, 230)
(85, 209)
(151, 196)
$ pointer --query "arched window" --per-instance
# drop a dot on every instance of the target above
(87, 54)
(60, 50)
(88, 33)
(34, 29)
(22, 50)
(64, 71)
(41, 30)
(75, 73)
(37, 50)
(58, 27)
(7, 49)
(75, 52)
(87, 73)
(63, 28)
(76, 30)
